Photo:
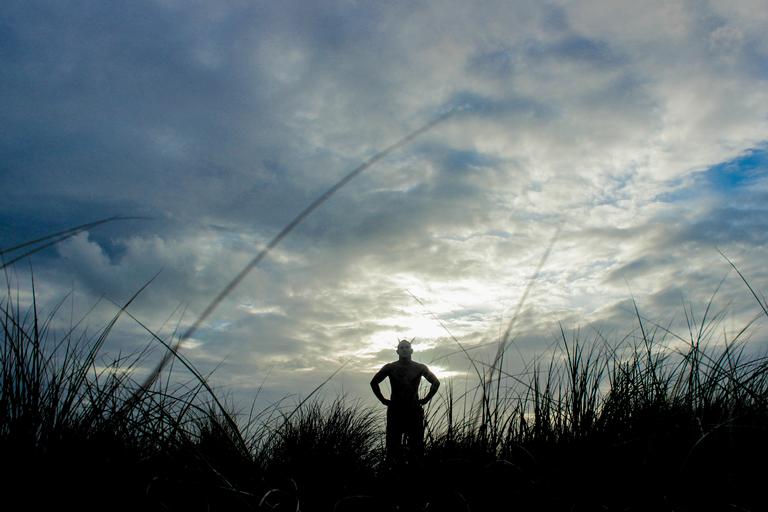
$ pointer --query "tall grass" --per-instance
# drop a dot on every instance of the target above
(71, 422)
(655, 421)
(327, 450)
(88, 433)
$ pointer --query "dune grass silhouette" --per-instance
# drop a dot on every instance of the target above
(651, 422)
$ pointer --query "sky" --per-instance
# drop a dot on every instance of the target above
(630, 137)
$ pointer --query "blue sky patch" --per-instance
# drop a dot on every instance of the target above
(739, 172)
(725, 177)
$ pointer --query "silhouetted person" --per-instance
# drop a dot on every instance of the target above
(405, 415)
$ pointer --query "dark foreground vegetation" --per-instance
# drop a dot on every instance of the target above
(652, 422)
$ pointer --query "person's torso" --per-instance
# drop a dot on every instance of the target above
(404, 379)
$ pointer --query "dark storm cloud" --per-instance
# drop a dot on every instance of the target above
(158, 111)
(111, 105)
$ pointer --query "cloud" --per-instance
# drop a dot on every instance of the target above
(639, 129)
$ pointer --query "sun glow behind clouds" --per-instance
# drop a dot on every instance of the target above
(426, 314)
(421, 329)
(444, 373)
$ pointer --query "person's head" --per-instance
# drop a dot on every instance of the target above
(404, 349)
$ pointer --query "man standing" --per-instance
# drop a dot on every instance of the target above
(404, 412)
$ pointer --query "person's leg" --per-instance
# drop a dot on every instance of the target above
(394, 436)
(415, 433)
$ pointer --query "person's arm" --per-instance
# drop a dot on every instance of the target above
(380, 376)
(433, 389)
